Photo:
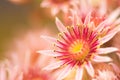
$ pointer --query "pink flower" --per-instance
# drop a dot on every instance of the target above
(104, 71)
(57, 5)
(86, 6)
(28, 62)
(95, 21)
(78, 46)
(105, 75)
(8, 72)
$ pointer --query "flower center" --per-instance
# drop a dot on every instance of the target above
(79, 50)
(76, 47)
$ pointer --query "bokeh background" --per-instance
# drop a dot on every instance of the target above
(19, 16)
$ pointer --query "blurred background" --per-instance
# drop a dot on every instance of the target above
(19, 16)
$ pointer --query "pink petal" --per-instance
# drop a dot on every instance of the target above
(113, 16)
(27, 59)
(90, 69)
(103, 7)
(53, 65)
(102, 59)
(76, 19)
(110, 35)
(92, 25)
(54, 10)
(49, 53)
(64, 8)
(2, 72)
(87, 19)
(115, 67)
(40, 60)
(20, 77)
(65, 72)
(106, 50)
(13, 72)
(117, 22)
(79, 74)
(118, 55)
(60, 26)
(84, 6)
(100, 27)
(45, 4)
(49, 39)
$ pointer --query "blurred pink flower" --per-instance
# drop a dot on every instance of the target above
(28, 62)
(104, 71)
(116, 69)
(104, 25)
(79, 45)
(57, 5)
(8, 72)
(98, 10)
(105, 75)
(96, 17)
(86, 6)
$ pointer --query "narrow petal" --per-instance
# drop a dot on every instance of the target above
(110, 35)
(53, 66)
(60, 26)
(13, 72)
(113, 16)
(101, 26)
(2, 72)
(79, 74)
(87, 19)
(65, 72)
(27, 59)
(92, 25)
(102, 59)
(75, 19)
(90, 69)
(103, 7)
(84, 6)
(49, 53)
(48, 38)
(117, 21)
(115, 67)
(106, 50)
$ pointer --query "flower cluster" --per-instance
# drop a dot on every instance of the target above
(86, 48)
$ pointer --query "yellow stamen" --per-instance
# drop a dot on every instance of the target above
(76, 47)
